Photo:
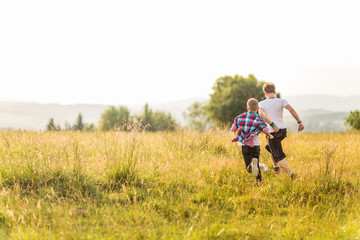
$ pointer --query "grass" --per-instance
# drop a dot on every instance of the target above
(179, 185)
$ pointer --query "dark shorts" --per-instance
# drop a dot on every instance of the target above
(249, 153)
(275, 147)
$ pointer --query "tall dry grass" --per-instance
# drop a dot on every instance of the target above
(175, 185)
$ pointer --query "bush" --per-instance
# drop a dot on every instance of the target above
(353, 120)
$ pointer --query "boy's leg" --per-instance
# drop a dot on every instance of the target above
(249, 154)
(276, 167)
(255, 166)
(275, 146)
(256, 169)
(245, 150)
(278, 154)
(285, 166)
(255, 162)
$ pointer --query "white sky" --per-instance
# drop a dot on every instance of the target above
(125, 52)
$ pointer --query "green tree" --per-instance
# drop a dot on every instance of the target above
(79, 125)
(89, 127)
(67, 126)
(163, 122)
(353, 120)
(156, 121)
(147, 116)
(230, 97)
(114, 118)
(51, 125)
(197, 117)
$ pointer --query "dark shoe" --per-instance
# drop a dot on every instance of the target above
(259, 183)
(276, 170)
(293, 176)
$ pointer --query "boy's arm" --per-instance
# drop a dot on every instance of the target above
(266, 131)
(233, 127)
(266, 118)
(296, 116)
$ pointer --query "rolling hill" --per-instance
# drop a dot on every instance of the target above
(319, 112)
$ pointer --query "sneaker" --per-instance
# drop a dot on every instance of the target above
(263, 165)
(255, 166)
(276, 170)
(293, 176)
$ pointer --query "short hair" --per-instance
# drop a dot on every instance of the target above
(253, 104)
(269, 87)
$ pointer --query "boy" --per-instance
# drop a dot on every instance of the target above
(250, 125)
(271, 110)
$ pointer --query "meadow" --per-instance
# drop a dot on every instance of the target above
(174, 185)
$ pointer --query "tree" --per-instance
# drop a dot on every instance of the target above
(196, 117)
(51, 125)
(89, 127)
(67, 126)
(147, 116)
(79, 125)
(353, 120)
(230, 97)
(156, 121)
(163, 122)
(114, 118)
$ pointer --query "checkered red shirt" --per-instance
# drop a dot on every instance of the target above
(249, 125)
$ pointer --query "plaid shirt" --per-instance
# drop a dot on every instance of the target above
(249, 125)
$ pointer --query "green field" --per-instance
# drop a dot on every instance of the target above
(178, 185)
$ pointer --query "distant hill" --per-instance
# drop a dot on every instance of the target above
(322, 113)
(325, 102)
(317, 121)
(319, 113)
(35, 116)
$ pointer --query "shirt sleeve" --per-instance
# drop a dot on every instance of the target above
(265, 130)
(284, 103)
(260, 104)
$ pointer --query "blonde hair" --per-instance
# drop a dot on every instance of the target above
(252, 104)
(269, 87)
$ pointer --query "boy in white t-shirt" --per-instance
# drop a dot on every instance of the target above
(271, 110)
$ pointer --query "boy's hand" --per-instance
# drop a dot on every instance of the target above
(300, 127)
(270, 137)
(276, 129)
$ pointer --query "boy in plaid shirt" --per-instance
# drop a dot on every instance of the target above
(250, 124)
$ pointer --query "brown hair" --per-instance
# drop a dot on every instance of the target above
(269, 87)
(252, 103)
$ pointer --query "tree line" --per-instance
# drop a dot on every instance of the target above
(228, 99)
(79, 125)
(120, 118)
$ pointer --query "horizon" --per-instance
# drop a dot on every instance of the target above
(163, 102)
(35, 116)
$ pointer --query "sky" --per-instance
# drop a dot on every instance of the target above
(132, 52)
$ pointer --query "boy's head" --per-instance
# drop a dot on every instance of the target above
(269, 87)
(252, 105)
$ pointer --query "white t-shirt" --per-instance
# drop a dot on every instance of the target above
(274, 107)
